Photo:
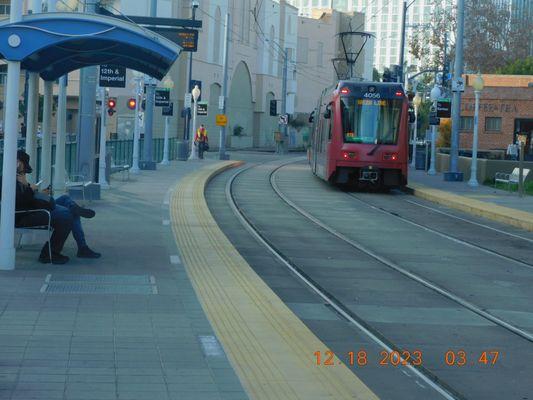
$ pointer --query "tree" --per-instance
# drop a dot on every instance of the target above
(518, 67)
(430, 42)
(493, 36)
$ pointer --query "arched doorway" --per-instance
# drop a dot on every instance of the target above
(240, 108)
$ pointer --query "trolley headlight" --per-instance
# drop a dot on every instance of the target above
(348, 155)
(390, 156)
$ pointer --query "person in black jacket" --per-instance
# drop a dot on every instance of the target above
(65, 216)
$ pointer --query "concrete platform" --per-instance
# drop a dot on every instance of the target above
(269, 346)
(484, 201)
(128, 326)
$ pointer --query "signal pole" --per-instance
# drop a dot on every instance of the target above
(453, 174)
(227, 38)
(103, 136)
(149, 112)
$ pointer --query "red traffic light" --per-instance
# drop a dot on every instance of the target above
(111, 103)
(132, 103)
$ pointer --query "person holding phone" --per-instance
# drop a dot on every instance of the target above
(65, 216)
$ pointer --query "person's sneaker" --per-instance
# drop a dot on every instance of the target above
(56, 258)
(86, 252)
(82, 211)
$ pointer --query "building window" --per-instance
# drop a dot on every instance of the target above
(5, 9)
(466, 124)
(320, 54)
(493, 124)
(303, 49)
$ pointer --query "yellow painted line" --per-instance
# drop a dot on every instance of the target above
(506, 215)
(269, 347)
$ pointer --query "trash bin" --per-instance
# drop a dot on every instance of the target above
(420, 161)
(183, 150)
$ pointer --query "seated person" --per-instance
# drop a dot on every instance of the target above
(65, 217)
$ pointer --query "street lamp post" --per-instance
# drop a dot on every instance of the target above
(168, 84)
(434, 96)
(195, 95)
(416, 102)
(478, 87)
(137, 128)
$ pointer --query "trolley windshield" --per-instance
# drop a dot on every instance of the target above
(372, 121)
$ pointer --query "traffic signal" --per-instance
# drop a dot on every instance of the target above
(132, 103)
(273, 108)
(111, 104)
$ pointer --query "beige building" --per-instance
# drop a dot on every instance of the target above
(259, 35)
(318, 44)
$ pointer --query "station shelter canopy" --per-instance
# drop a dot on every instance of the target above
(54, 44)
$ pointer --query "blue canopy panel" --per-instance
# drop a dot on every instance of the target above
(54, 44)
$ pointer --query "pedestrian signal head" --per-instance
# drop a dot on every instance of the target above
(132, 103)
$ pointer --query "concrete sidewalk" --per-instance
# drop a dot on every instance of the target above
(485, 201)
(126, 326)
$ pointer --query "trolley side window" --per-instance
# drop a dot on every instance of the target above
(370, 121)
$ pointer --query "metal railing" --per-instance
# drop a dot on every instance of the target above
(121, 152)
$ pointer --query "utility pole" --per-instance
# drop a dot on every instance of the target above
(195, 4)
(227, 38)
(457, 86)
(87, 106)
(148, 162)
(284, 101)
(402, 40)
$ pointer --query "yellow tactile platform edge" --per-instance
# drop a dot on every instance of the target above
(271, 349)
(506, 215)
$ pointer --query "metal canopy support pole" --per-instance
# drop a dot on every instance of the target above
(9, 174)
(165, 160)
(31, 120)
(86, 124)
(227, 38)
(456, 100)
(149, 112)
(59, 171)
(46, 147)
(103, 138)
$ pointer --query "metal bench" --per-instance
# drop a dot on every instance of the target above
(123, 168)
(510, 179)
(20, 230)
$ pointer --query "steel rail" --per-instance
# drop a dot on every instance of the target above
(392, 265)
(444, 235)
(445, 390)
